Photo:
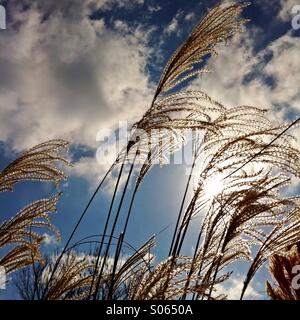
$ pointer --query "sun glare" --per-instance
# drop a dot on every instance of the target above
(213, 186)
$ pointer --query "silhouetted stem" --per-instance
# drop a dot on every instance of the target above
(75, 229)
(192, 265)
(117, 255)
(224, 235)
(114, 226)
(181, 207)
(106, 226)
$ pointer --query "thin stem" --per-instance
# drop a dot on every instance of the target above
(106, 226)
(176, 249)
(202, 260)
(224, 236)
(192, 265)
(184, 226)
(114, 225)
(129, 213)
(208, 237)
(130, 208)
(117, 255)
(181, 207)
(76, 227)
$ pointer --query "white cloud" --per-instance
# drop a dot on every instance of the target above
(285, 68)
(285, 12)
(89, 169)
(281, 9)
(66, 76)
(190, 16)
(227, 81)
(121, 26)
(110, 4)
(154, 8)
(173, 26)
(233, 288)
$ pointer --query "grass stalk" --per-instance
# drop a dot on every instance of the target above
(75, 229)
(114, 224)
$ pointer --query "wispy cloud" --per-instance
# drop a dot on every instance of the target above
(190, 16)
(154, 8)
(121, 26)
(173, 26)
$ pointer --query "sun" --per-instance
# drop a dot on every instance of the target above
(213, 186)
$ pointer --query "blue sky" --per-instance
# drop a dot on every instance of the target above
(72, 68)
